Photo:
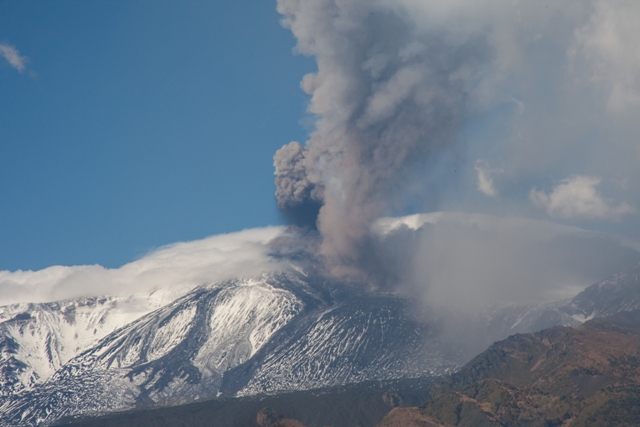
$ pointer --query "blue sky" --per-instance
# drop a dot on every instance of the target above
(129, 125)
(138, 124)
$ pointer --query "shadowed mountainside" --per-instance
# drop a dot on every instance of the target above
(346, 406)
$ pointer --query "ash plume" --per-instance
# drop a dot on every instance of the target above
(297, 196)
(388, 97)
(520, 98)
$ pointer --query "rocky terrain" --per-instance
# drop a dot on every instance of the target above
(583, 376)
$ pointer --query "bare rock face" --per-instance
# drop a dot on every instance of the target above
(269, 417)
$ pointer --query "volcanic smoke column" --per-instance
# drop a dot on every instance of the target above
(388, 95)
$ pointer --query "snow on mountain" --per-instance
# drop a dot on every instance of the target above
(174, 354)
(618, 293)
(38, 336)
(190, 343)
(267, 334)
(37, 339)
(273, 333)
(366, 338)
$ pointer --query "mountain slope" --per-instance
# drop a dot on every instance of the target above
(618, 293)
(183, 347)
(363, 404)
(588, 375)
(271, 334)
(38, 339)
(545, 378)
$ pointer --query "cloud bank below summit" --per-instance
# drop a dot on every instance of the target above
(178, 267)
(458, 260)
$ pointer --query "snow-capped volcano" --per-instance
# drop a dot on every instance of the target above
(267, 334)
(189, 332)
(272, 333)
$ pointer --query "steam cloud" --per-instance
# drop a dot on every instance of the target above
(402, 85)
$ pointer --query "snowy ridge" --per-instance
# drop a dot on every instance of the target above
(176, 354)
(38, 339)
(618, 293)
(367, 339)
(268, 334)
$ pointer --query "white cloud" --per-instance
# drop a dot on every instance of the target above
(608, 45)
(179, 267)
(559, 94)
(577, 197)
(485, 179)
(11, 54)
(472, 261)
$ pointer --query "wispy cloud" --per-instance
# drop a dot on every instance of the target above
(176, 267)
(578, 197)
(485, 178)
(11, 54)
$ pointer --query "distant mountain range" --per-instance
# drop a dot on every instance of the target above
(271, 334)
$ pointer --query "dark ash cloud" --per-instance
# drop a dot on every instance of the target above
(297, 196)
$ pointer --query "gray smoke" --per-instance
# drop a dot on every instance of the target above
(388, 97)
(297, 195)
(534, 104)
(293, 186)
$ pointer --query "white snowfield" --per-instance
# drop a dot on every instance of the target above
(266, 334)
(48, 335)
